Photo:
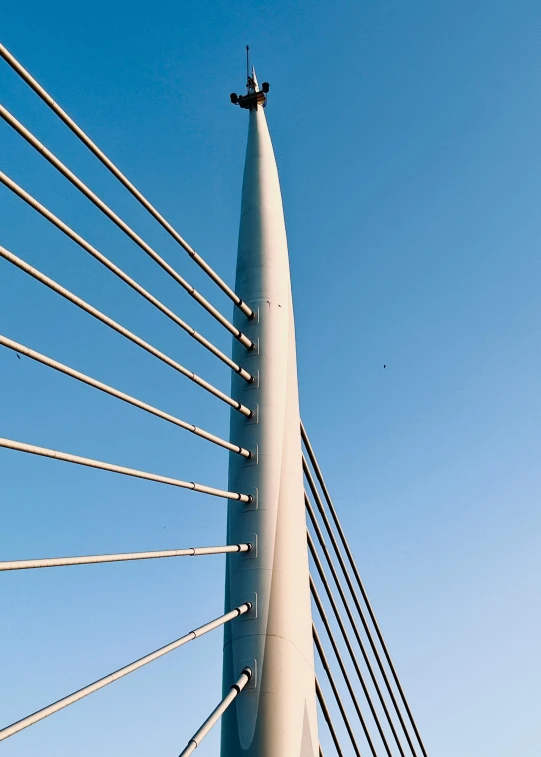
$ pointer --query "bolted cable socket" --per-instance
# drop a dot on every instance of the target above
(252, 505)
(252, 553)
(254, 417)
(252, 613)
(253, 384)
(254, 318)
(254, 457)
(253, 351)
(252, 664)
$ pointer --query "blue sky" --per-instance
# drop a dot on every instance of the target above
(407, 138)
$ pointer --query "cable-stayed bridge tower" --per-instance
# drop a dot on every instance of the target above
(277, 714)
(277, 559)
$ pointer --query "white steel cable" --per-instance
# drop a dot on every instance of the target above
(21, 348)
(46, 213)
(65, 171)
(217, 713)
(70, 123)
(91, 463)
(59, 289)
(66, 701)
(58, 562)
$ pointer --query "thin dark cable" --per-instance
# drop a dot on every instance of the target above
(327, 716)
(347, 679)
(351, 559)
(325, 663)
(367, 631)
(325, 582)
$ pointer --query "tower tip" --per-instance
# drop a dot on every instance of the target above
(254, 95)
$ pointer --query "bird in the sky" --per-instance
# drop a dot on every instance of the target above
(385, 366)
(18, 355)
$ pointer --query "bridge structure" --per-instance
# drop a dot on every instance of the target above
(294, 599)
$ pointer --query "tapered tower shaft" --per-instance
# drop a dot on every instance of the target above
(276, 714)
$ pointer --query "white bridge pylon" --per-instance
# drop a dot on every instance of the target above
(276, 714)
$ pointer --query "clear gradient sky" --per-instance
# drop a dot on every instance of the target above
(408, 143)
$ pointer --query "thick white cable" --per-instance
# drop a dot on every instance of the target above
(66, 701)
(65, 171)
(46, 213)
(58, 562)
(70, 123)
(21, 348)
(27, 268)
(91, 463)
(217, 713)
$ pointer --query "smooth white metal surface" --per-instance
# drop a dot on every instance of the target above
(14, 728)
(90, 463)
(61, 113)
(57, 562)
(277, 716)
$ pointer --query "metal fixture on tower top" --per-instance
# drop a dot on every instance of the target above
(254, 96)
